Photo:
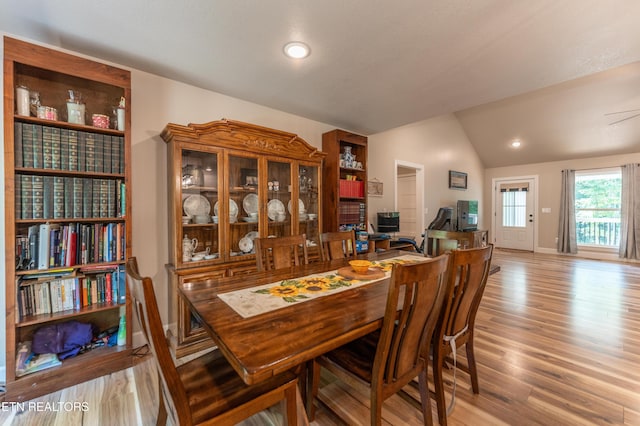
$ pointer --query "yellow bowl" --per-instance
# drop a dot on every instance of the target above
(360, 266)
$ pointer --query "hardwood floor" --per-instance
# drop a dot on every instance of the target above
(557, 343)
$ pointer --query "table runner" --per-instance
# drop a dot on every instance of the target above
(253, 301)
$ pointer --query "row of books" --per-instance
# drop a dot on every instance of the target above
(47, 147)
(53, 245)
(37, 297)
(351, 212)
(60, 197)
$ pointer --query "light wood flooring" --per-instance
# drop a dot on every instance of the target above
(557, 343)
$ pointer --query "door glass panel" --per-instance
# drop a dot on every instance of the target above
(200, 237)
(308, 181)
(243, 207)
(279, 205)
(514, 209)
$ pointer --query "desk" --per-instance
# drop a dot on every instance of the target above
(439, 242)
(261, 346)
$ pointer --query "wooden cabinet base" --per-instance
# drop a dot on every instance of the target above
(75, 370)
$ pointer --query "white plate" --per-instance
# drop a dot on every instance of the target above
(252, 235)
(273, 208)
(250, 203)
(245, 244)
(300, 206)
(233, 208)
(196, 205)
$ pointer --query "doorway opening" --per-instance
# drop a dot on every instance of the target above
(513, 204)
(409, 202)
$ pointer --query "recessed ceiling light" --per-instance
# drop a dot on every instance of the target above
(296, 50)
(515, 144)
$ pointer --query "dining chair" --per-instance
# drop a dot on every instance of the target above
(338, 245)
(205, 390)
(468, 273)
(383, 362)
(281, 252)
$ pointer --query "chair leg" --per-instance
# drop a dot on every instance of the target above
(471, 363)
(376, 409)
(312, 390)
(438, 385)
(161, 419)
(424, 397)
(291, 399)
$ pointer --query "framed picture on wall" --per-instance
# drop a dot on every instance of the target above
(457, 180)
(374, 188)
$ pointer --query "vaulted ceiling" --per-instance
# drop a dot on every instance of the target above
(545, 71)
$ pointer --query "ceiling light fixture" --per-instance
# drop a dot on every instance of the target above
(515, 144)
(296, 50)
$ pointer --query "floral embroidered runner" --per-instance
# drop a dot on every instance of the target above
(253, 301)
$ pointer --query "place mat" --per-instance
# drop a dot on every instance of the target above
(257, 300)
(371, 274)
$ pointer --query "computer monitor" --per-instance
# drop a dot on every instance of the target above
(467, 215)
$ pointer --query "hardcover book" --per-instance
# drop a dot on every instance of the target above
(82, 166)
(89, 146)
(17, 146)
(98, 153)
(48, 197)
(47, 161)
(55, 148)
(37, 146)
(73, 150)
(37, 183)
(87, 198)
(115, 154)
(58, 197)
(106, 150)
(77, 197)
(26, 187)
(64, 149)
(27, 145)
(68, 197)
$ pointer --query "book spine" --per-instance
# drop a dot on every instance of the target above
(73, 150)
(43, 249)
(106, 149)
(55, 149)
(87, 198)
(38, 160)
(18, 198)
(82, 166)
(48, 197)
(46, 147)
(121, 158)
(95, 199)
(64, 149)
(68, 197)
(98, 153)
(37, 183)
(104, 197)
(17, 145)
(90, 157)
(111, 198)
(115, 154)
(26, 187)
(77, 197)
(33, 233)
(27, 145)
(58, 197)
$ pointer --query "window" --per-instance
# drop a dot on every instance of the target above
(514, 204)
(598, 195)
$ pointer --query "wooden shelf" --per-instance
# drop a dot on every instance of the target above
(52, 74)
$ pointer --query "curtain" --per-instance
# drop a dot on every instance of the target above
(630, 213)
(567, 226)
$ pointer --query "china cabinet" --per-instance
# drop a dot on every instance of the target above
(344, 194)
(67, 211)
(230, 182)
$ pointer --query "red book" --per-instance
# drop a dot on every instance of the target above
(108, 293)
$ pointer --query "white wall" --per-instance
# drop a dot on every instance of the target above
(440, 144)
(155, 102)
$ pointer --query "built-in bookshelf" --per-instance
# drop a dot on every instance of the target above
(68, 213)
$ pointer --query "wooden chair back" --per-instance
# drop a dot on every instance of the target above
(281, 252)
(338, 245)
(467, 279)
(406, 333)
(172, 390)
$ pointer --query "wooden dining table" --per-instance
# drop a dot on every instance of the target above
(267, 344)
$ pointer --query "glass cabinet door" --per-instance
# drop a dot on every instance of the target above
(308, 193)
(243, 207)
(279, 199)
(200, 239)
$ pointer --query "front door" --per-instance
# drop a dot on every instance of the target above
(514, 213)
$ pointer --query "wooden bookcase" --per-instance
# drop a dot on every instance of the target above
(66, 185)
(229, 169)
(344, 197)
